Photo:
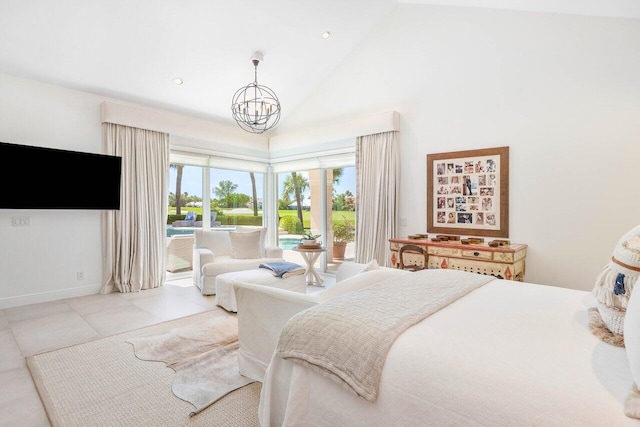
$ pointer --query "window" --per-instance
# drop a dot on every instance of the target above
(232, 192)
(237, 197)
(185, 197)
(319, 201)
(202, 194)
(235, 192)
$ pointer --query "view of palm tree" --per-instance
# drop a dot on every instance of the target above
(236, 197)
(223, 194)
(299, 184)
(178, 193)
(254, 192)
(236, 193)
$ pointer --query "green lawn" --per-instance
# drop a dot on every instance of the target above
(183, 210)
(336, 216)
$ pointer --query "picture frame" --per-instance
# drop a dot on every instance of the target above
(468, 192)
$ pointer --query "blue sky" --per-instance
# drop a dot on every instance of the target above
(192, 180)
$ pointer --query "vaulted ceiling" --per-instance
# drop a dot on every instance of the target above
(132, 50)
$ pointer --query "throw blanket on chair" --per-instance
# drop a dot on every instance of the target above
(347, 338)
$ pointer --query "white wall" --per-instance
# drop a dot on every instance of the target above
(40, 262)
(561, 91)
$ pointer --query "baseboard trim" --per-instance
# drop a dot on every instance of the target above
(59, 294)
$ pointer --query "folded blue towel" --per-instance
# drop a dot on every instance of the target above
(283, 269)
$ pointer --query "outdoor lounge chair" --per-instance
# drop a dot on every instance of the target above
(188, 221)
(180, 252)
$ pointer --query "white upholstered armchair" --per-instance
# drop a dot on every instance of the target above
(224, 251)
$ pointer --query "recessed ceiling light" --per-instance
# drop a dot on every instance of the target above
(326, 35)
(178, 81)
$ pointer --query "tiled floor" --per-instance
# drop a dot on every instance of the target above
(35, 328)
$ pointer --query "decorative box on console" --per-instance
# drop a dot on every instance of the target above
(504, 262)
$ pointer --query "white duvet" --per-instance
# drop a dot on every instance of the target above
(507, 354)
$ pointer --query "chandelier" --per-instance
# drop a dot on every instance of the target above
(255, 107)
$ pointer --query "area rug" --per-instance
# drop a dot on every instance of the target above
(103, 383)
(204, 355)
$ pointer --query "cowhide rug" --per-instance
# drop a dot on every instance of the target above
(204, 357)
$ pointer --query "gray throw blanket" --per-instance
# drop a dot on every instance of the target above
(347, 338)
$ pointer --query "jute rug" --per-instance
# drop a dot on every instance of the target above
(103, 383)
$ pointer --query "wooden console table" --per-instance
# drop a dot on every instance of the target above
(503, 262)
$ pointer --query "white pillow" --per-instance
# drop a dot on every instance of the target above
(350, 269)
(245, 245)
(263, 235)
(371, 265)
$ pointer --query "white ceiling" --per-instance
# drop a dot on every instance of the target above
(132, 49)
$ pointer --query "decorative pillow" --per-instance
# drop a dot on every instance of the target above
(263, 235)
(245, 245)
(191, 216)
(371, 265)
(616, 281)
(349, 269)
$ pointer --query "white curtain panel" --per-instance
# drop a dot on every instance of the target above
(133, 237)
(377, 181)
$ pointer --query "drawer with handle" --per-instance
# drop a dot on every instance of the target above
(466, 253)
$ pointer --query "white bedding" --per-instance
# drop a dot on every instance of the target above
(507, 354)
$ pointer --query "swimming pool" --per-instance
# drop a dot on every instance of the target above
(288, 242)
(171, 231)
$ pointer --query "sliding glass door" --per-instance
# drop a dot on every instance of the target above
(320, 202)
(342, 219)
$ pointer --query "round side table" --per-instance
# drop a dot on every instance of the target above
(310, 257)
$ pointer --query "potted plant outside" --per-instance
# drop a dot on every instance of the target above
(309, 239)
(343, 233)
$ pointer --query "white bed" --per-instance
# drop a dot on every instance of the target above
(507, 354)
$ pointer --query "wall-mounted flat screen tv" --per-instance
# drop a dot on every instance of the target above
(48, 178)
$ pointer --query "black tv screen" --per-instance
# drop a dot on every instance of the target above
(47, 178)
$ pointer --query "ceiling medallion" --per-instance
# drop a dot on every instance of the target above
(255, 107)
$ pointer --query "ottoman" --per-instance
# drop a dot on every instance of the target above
(226, 298)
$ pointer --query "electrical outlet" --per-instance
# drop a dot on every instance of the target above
(403, 221)
(21, 221)
(80, 275)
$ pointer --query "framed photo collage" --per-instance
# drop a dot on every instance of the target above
(467, 192)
